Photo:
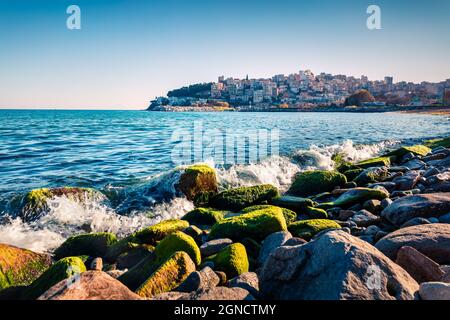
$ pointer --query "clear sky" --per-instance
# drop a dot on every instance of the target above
(127, 52)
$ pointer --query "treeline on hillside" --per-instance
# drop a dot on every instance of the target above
(198, 90)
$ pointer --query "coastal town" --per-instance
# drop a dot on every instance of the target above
(303, 91)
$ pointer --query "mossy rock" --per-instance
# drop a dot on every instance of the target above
(293, 203)
(376, 162)
(307, 229)
(197, 179)
(289, 215)
(203, 216)
(359, 195)
(256, 224)
(91, 244)
(240, 198)
(35, 203)
(150, 235)
(62, 269)
(444, 142)
(310, 183)
(168, 276)
(352, 173)
(175, 242)
(316, 213)
(133, 256)
(371, 175)
(178, 241)
(419, 150)
(232, 260)
(20, 267)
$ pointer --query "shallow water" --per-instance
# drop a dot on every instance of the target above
(132, 151)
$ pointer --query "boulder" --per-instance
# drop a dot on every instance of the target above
(415, 164)
(418, 150)
(197, 179)
(35, 203)
(289, 215)
(232, 260)
(93, 244)
(364, 218)
(376, 162)
(433, 240)
(20, 267)
(307, 229)
(420, 205)
(150, 236)
(407, 181)
(334, 266)
(133, 256)
(272, 242)
(213, 246)
(371, 175)
(359, 195)
(309, 183)
(91, 285)
(248, 281)
(217, 293)
(419, 266)
(296, 204)
(62, 270)
(168, 276)
(240, 198)
(256, 224)
(435, 291)
(199, 280)
(203, 216)
(415, 222)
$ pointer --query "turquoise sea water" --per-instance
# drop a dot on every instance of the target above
(120, 150)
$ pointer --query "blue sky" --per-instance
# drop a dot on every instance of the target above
(127, 52)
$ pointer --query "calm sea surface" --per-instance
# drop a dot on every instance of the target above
(43, 148)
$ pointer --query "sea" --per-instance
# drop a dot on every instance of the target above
(134, 158)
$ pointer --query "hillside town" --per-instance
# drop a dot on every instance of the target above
(301, 91)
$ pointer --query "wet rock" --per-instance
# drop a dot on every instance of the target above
(20, 267)
(431, 172)
(371, 175)
(364, 218)
(90, 285)
(435, 291)
(91, 244)
(359, 195)
(407, 181)
(433, 240)
(419, 266)
(415, 222)
(197, 179)
(272, 242)
(248, 281)
(444, 163)
(309, 183)
(445, 218)
(309, 228)
(200, 280)
(334, 266)
(296, 204)
(415, 164)
(213, 246)
(232, 260)
(423, 205)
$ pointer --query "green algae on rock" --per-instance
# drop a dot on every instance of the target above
(296, 204)
(359, 195)
(62, 269)
(306, 229)
(376, 162)
(419, 150)
(316, 213)
(289, 215)
(434, 143)
(150, 235)
(177, 241)
(20, 267)
(168, 276)
(240, 198)
(197, 179)
(35, 202)
(232, 260)
(91, 244)
(313, 182)
(255, 224)
(353, 173)
(203, 216)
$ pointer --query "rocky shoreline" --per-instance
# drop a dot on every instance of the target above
(373, 230)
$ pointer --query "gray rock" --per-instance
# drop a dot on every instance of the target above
(248, 281)
(415, 222)
(364, 218)
(433, 240)
(199, 280)
(372, 230)
(294, 241)
(385, 203)
(444, 163)
(334, 266)
(388, 185)
(423, 205)
(445, 218)
(214, 246)
(415, 164)
(430, 172)
(407, 181)
(373, 206)
(272, 242)
(435, 291)
(433, 220)
(221, 293)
